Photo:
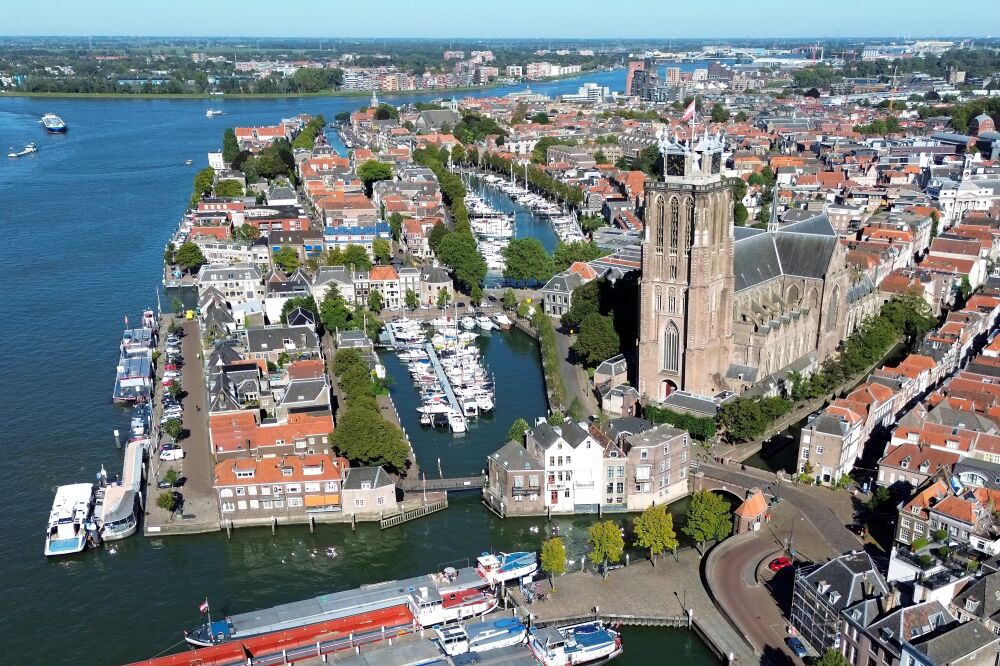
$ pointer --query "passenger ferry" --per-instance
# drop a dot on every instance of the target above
(432, 599)
(585, 643)
(117, 502)
(69, 519)
(53, 123)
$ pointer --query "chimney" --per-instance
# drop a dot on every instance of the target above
(889, 601)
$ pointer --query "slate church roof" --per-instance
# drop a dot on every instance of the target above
(802, 249)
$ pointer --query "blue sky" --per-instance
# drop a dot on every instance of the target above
(503, 18)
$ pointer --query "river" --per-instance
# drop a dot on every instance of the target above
(85, 221)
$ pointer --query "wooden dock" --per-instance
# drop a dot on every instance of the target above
(413, 514)
(683, 621)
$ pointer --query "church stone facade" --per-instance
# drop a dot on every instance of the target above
(722, 307)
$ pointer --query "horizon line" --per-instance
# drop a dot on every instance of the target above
(494, 37)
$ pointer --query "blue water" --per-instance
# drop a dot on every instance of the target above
(84, 224)
(527, 224)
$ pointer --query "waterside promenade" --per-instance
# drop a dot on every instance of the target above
(669, 594)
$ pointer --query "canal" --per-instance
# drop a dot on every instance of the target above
(85, 223)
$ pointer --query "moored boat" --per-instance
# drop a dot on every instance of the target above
(429, 600)
(69, 518)
(584, 643)
(481, 636)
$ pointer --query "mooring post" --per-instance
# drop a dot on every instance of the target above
(229, 528)
(312, 523)
(274, 525)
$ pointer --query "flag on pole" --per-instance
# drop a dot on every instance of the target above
(689, 111)
(204, 606)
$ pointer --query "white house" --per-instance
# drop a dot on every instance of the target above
(573, 462)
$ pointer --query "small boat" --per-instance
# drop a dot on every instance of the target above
(468, 322)
(27, 150)
(211, 113)
(484, 323)
(53, 123)
(502, 321)
(481, 636)
(585, 643)
(69, 518)
(457, 422)
(189, 162)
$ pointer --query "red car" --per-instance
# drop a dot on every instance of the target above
(779, 563)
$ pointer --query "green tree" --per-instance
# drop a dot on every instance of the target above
(364, 437)
(334, 312)
(576, 410)
(586, 301)
(443, 298)
(168, 254)
(230, 146)
(375, 300)
(597, 340)
(719, 113)
(567, 254)
(173, 428)
(600, 157)
(356, 258)
(411, 299)
(526, 261)
(165, 501)
(517, 431)
(189, 257)
(203, 183)
(382, 250)
(831, 657)
(654, 531)
(707, 518)
(286, 258)
(540, 118)
(229, 188)
(396, 225)
(509, 299)
(553, 559)
(459, 251)
(373, 171)
(436, 235)
(740, 117)
(171, 476)
(606, 544)
(246, 233)
(304, 302)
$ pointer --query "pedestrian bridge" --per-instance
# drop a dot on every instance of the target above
(452, 484)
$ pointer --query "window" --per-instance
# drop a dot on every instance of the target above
(241, 505)
(684, 456)
(552, 461)
(619, 488)
(226, 492)
(904, 535)
(610, 489)
(254, 504)
(268, 504)
(244, 474)
(621, 471)
(611, 472)
(330, 487)
(251, 490)
(359, 501)
(675, 220)
(294, 502)
(671, 347)
(643, 454)
(905, 522)
(286, 471)
(569, 460)
(660, 224)
(312, 487)
(380, 501)
(228, 507)
(279, 504)
(265, 490)
(566, 493)
(240, 491)
(819, 450)
(805, 453)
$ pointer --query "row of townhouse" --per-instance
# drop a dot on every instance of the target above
(578, 468)
(393, 284)
(847, 604)
(833, 439)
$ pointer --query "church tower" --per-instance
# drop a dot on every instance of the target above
(686, 292)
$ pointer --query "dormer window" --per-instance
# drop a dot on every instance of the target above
(915, 510)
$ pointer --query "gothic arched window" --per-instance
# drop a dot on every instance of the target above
(672, 301)
(675, 221)
(671, 347)
(689, 214)
(660, 221)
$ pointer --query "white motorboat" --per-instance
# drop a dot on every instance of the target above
(211, 113)
(457, 422)
(468, 322)
(27, 150)
(482, 636)
(484, 323)
(502, 321)
(584, 643)
(69, 518)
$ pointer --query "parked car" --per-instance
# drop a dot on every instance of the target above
(171, 374)
(163, 485)
(796, 646)
(779, 563)
(172, 454)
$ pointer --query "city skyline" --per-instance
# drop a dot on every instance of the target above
(778, 19)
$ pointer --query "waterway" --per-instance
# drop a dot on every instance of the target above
(84, 223)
